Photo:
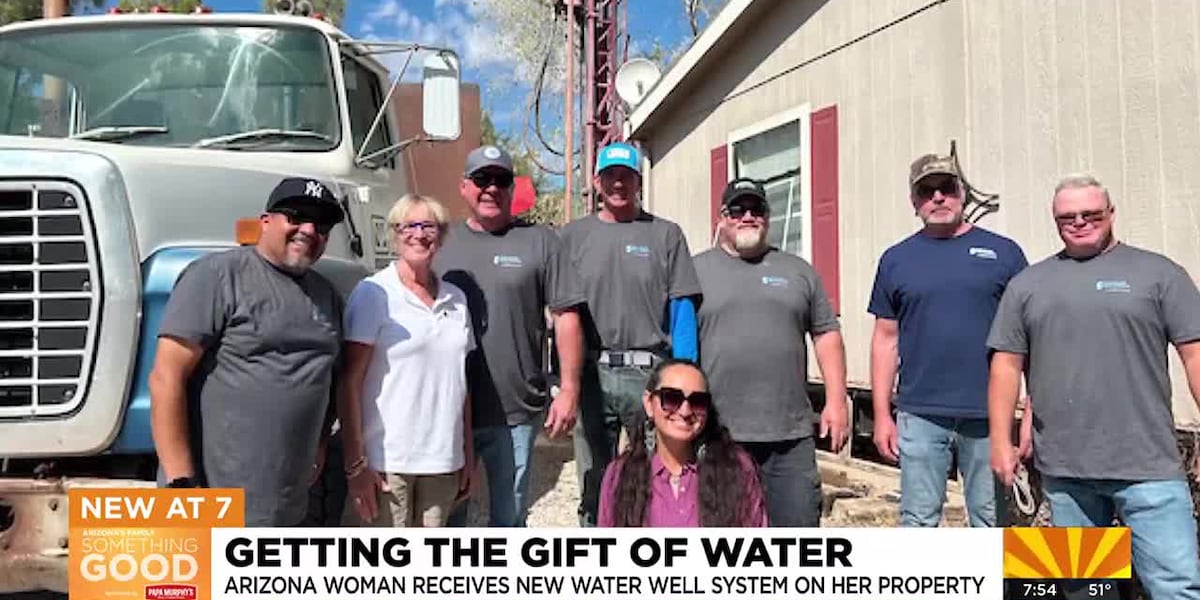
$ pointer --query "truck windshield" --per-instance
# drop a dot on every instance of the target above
(211, 86)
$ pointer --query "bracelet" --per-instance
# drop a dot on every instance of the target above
(356, 468)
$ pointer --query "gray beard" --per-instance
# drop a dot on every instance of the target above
(748, 239)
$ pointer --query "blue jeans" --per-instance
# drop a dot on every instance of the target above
(506, 453)
(791, 481)
(609, 399)
(925, 447)
(1158, 514)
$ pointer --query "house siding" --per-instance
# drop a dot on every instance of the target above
(1029, 90)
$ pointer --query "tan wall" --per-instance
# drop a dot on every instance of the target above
(436, 168)
(1030, 89)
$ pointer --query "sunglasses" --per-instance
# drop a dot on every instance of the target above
(738, 211)
(948, 187)
(297, 218)
(1089, 216)
(485, 180)
(672, 399)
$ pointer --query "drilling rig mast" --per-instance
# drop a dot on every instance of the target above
(599, 24)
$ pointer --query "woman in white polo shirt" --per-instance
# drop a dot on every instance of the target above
(404, 404)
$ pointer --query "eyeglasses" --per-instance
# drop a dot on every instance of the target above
(485, 180)
(417, 227)
(948, 187)
(672, 399)
(297, 218)
(1089, 216)
(737, 211)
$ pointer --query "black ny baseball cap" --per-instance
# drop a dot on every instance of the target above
(306, 194)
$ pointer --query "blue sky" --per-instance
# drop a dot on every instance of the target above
(458, 24)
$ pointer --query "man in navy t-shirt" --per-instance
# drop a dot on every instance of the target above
(934, 298)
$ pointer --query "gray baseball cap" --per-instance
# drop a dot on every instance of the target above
(488, 156)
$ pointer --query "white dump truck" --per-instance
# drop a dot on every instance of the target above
(130, 145)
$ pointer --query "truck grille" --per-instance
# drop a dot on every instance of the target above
(49, 298)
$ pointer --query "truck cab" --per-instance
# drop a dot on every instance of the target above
(131, 145)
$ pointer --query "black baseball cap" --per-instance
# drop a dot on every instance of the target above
(743, 188)
(304, 193)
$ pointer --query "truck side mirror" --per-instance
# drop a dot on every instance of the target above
(440, 79)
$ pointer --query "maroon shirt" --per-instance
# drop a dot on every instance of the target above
(668, 509)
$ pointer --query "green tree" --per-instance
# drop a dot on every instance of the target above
(175, 6)
(12, 11)
(547, 208)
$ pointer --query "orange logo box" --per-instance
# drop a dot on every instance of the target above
(148, 544)
(1068, 553)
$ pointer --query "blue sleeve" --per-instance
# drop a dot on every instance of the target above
(1019, 259)
(880, 303)
(684, 342)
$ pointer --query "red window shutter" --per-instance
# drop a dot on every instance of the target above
(824, 142)
(718, 178)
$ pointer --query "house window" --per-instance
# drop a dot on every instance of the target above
(775, 153)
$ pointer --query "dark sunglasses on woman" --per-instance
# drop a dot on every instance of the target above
(672, 399)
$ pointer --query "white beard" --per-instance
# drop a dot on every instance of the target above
(748, 239)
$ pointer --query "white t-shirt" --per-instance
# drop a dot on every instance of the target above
(415, 387)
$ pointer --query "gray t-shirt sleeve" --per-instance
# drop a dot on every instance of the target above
(561, 282)
(1180, 302)
(200, 303)
(822, 319)
(684, 281)
(1008, 332)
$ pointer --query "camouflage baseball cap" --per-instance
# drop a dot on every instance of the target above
(931, 164)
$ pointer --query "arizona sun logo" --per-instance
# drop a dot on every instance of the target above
(1068, 553)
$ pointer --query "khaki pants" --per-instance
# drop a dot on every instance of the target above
(413, 501)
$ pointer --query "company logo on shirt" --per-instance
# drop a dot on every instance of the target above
(502, 260)
(1113, 286)
(986, 253)
(643, 251)
(322, 319)
(777, 282)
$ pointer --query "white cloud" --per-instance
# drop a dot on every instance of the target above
(454, 24)
(505, 66)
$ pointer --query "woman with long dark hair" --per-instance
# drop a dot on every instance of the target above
(681, 468)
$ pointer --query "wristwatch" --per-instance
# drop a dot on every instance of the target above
(182, 482)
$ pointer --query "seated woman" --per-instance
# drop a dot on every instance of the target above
(681, 468)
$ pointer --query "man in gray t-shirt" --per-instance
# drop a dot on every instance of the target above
(759, 306)
(247, 352)
(512, 272)
(1093, 323)
(637, 275)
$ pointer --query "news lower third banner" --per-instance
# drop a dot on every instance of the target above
(191, 544)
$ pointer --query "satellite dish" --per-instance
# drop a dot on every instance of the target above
(635, 78)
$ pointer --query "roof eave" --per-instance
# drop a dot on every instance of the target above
(679, 72)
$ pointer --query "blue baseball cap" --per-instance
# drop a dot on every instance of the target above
(619, 154)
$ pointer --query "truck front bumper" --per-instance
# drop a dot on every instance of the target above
(35, 530)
